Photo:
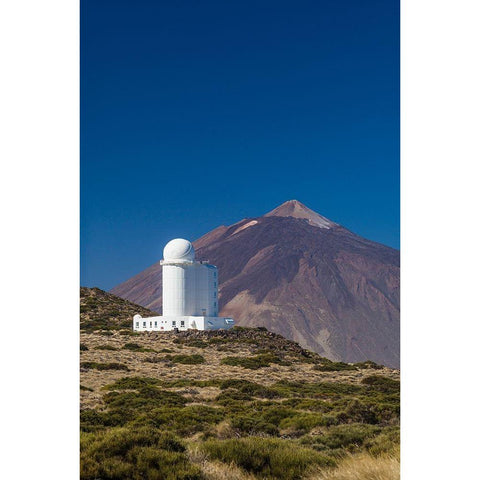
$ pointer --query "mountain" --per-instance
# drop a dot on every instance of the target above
(303, 276)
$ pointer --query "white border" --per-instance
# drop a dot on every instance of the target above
(39, 188)
(440, 240)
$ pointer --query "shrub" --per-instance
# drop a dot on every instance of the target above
(275, 414)
(382, 384)
(329, 366)
(249, 388)
(347, 436)
(253, 425)
(268, 458)
(359, 412)
(128, 333)
(254, 363)
(134, 454)
(146, 397)
(135, 347)
(315, 405)
(197, 344)
(226, 397)
(132, 383)
(106, 347)
(304, 422)
(186, 359)
(103, 366)
(317, 389)
(368, 364)
(386, 442)
(183, 421)
(83, 347)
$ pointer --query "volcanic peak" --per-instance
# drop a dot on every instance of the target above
(296, 209)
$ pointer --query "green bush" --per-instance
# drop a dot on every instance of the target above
(186, 359)
(135, 347)
(268, 458)
(329, 366)
(106, 347)
(128, 333)
(275, 413)
(385, 442)
(382, 384)
(83, 347)
(132, 383)
(103, 366)
(229, 396)
(183, 421)
(368, 364)
(304, 422)
(129, 454)
(359, 412)
(317, 389)
(254, 363)
(253, 425)
(250, 388)
(315, 405)
(197, 344)
(146, 397)
(347, 436)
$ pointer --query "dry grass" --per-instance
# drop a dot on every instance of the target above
(216, 470)
(365, 467)
(211, 369)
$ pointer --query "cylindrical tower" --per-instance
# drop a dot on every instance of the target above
(178, 269)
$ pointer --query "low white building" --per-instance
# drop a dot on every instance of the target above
(190, 293)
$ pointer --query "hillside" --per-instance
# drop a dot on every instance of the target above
(240, 404)
(303, 276)
(102, 310)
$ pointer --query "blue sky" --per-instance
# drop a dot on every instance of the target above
(197, 114)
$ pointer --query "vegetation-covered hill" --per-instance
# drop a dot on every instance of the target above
(102, 310)
(240, 404)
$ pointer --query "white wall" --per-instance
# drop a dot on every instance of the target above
(189, 289)
(179, 297)
(159, 324)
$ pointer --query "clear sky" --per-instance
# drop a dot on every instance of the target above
(196, 114)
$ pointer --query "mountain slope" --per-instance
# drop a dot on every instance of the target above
(303, 276)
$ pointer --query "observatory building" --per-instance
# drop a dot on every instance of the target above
(189, 293)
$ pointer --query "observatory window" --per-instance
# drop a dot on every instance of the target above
(155, 323)
(136, 324)
(214, 304)
(182, 323)
(215, 294)
(144, 324)
(150, 324)
(174, 323)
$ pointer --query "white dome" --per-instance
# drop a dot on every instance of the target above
(179, 249)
